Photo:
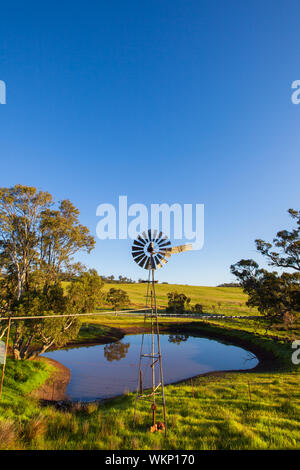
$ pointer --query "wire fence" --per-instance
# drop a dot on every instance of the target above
(34, 317)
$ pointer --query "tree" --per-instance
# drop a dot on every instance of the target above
(197, 308)
(116, 351)
(274, 294)
(61, 236)
(32, 337)
(21, 209)
(34, 237)
(287, 244)
(86, 292)
(177, 339)
(177, 303)
(35, 336)
(37, 245)
(229, 284)
(118, 298)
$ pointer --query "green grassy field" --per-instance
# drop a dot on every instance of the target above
(258, 410)
(225, 300)
(232, 412)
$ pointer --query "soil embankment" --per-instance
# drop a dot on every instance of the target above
(54, 389)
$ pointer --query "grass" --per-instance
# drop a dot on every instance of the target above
(21, 416)
(241, 410)
(91, 332)
(225, 300)
(235, 411)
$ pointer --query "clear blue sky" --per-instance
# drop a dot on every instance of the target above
(97, 90)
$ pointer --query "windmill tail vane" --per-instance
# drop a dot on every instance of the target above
(151, 251)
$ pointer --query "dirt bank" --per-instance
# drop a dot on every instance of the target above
(55, 387)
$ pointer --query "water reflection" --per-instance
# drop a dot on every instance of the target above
(177, 339)
(116, 351)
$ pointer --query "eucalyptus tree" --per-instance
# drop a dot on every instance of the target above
(285, 250)
(21, 209)
(38, 240)
(272, 293)
(118, 298)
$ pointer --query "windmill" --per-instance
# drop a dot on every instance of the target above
(151, 251)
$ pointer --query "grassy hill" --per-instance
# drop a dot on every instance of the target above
(225, 300)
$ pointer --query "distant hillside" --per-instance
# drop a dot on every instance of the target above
(225, 300)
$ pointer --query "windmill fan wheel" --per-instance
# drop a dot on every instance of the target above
(151, 249)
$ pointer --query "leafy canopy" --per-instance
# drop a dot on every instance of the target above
(275, 295)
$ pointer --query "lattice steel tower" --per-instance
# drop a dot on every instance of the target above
(150, 251)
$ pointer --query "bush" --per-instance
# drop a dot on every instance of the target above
(177, 303)
(198, 308)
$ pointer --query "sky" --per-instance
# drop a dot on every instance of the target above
(178, 101)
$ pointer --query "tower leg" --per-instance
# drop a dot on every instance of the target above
(139, 373)
(155, 356)
(160, 360)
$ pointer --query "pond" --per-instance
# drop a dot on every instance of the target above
(107, 370)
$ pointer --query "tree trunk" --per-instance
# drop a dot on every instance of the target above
(16, 354)
(42, 350)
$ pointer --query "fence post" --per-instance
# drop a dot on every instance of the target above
(4, 362)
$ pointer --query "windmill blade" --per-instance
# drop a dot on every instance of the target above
(137, 248)
(145, 236)
(163, 238)
(181, 248)
(136, 243)
(158, 259)
(136, 253)
(166, 252)
(163, 243)
(154, 235)
(158, 237)
(142, 262)
(139, 253)
(161, 257)
(138, 258)
(141, 239)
